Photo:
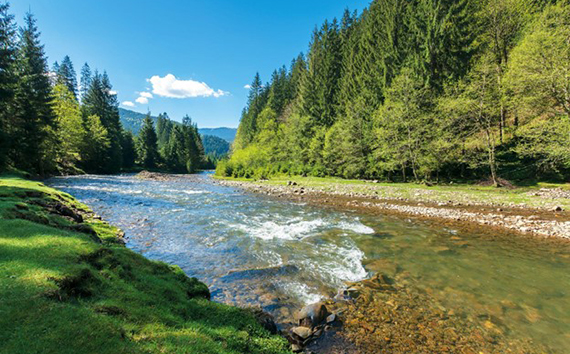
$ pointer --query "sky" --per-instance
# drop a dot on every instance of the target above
(192, 57)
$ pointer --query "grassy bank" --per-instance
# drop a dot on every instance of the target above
(539, 195)
(68, 285)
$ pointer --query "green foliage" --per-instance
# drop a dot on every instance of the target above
(31, 111)
(539, 67)
(214, 146)
(66, 75)
(7, 79)
(69, 128)
(416, 90)
(147, 145)
(96, 144)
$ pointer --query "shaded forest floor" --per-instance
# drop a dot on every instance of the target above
(69, 285)
(541, 209)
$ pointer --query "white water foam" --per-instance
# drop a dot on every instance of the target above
(302, 292)
(102, 189)
(356, 227)
(347, 265)
(296, 228)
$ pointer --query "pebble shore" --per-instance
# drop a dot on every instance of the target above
(551, 221)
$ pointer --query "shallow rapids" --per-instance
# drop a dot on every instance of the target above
(256, 250)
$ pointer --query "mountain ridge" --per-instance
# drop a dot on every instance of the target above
(133, 121)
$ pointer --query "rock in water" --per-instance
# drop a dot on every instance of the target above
(302, 332)
(312, 315)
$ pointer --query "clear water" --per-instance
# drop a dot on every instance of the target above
(256, 250)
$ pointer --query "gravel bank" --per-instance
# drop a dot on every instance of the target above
(548, 221)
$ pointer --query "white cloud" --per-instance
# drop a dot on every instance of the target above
(170, 86)
(145, 94)
(113, 92)
(247, 87)
(128, 104)
(142, 100)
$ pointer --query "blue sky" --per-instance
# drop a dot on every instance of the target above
(181, 57)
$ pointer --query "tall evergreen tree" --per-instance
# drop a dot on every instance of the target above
(66, 75)
(85, 82)
(148, 145)
(129, 149)
(7, 79)
(32, 108)
(100, 101)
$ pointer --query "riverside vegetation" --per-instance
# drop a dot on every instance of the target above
(51, 125)
(424, 90)
(68, 282)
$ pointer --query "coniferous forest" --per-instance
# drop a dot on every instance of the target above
(423, 90)
(52, 124)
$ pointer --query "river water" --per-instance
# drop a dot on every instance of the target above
(256, 250)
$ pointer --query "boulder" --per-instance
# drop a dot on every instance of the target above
(312, 315)
(301, 332)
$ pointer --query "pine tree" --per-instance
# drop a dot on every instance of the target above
(7, 79)
(148, 145)
(129, 149)
(192, 145)
(85, 82)
(101, 102)
(173, 152)
(66, 75)
(32, 109)
(95, 145)
(163, 129)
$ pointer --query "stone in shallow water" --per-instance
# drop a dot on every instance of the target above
(302, 332)
(312, 315)
(382, 266)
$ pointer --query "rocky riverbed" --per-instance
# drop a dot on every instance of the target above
(386, 314)
(551, 221)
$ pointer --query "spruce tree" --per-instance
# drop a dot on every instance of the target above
(66, 75)
(148, 145)
(85, 82)
(32, 109)
(101, 102)
(129, 149)
(7, 79)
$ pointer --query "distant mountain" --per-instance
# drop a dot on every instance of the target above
(133, 121)
(228, 134)
(215, 146)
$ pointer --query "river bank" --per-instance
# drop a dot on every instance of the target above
(69, 285)
(535, 211)
(397, 284)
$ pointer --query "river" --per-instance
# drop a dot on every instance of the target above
(256, 250)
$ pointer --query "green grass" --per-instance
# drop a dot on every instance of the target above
(63, 291)
(458, 193)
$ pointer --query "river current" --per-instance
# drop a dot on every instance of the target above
(256, 250)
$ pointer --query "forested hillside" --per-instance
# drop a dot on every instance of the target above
(418, 90)
(133, 121)
(215, 141)
(51, 124)
(215, 147)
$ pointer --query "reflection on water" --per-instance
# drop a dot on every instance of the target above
(253, 250)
